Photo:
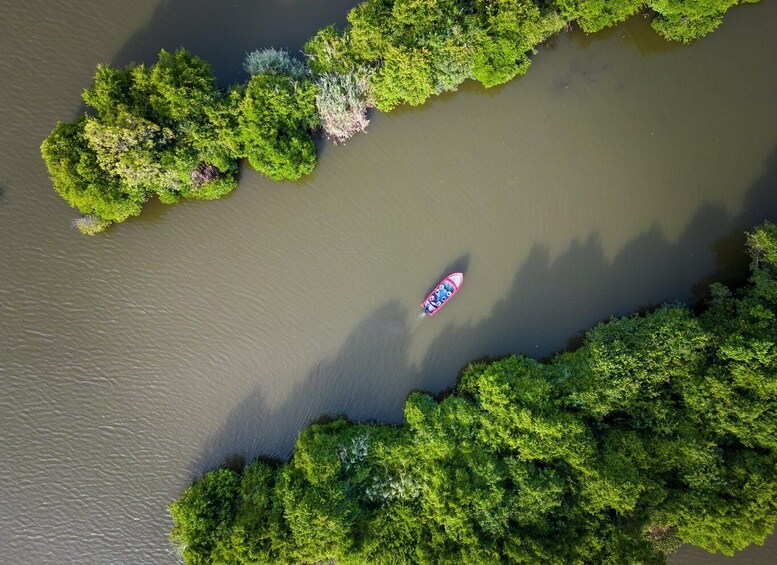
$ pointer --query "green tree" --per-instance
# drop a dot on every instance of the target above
(150, 133)
(78, 178)
(595, 15)
(152, 128)
(203, 517)
(686, 20)
(259, 531)
(275, 116)
(508, 31)
(416, 48)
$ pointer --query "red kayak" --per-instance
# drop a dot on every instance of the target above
(440, 296)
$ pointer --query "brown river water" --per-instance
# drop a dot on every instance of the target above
(618, 173)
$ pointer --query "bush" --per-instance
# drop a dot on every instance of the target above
(277, 61)
(686, 20)
(149, 134)
(153, 125)
(275, 117)
(595, 15)
(330, 51)
(78, 178)
(342, 102)
(203, 517)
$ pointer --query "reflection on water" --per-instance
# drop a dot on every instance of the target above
(617, 174)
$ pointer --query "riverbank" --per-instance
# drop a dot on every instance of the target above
(660, 430)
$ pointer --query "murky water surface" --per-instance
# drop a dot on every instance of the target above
(618, 173)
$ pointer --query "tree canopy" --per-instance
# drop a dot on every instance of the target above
(659, 430)
(275, 115)
(149, 133)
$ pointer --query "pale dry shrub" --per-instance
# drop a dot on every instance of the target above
(90, 225)
(276, 61)
(342, 103)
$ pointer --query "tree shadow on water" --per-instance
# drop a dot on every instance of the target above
(353, 383)
(549, 301)
(460, 265)
(222, 32)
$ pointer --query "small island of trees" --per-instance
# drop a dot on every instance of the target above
(660, 430)
(168, 130)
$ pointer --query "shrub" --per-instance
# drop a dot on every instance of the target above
(595, 15)
(330, 51)
(78, 178)
(151, 129)
(275, 117)
(90, 225)
(342, 103)
(276, 61)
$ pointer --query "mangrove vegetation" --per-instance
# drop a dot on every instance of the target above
(169, 131)
(661, 429)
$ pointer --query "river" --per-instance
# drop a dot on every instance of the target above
(618, 173)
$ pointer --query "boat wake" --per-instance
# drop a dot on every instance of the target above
(415, 322)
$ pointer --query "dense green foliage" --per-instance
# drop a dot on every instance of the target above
(150, 133)
(418, 48)
(275, 115)
(660, 429)
(168, 130)
(79, 179)
(686, 20)
(414, 49)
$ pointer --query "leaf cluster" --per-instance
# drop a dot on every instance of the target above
(414, 49)
(275, 114)
(167, 130)
(148, 132)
